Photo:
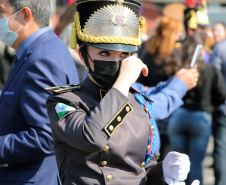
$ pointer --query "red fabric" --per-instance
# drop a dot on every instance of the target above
(190, 3)
(70, 1)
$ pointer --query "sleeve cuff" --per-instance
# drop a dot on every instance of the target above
(178, 86)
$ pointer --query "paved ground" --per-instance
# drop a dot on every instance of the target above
(208, 177)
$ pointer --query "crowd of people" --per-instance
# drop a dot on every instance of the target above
(90, 102)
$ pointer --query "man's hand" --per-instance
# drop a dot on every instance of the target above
(129, 72)
(188, 76)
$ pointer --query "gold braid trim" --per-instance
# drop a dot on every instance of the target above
(76, 30)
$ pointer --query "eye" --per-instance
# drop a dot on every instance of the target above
(125, 54)
(104, 53)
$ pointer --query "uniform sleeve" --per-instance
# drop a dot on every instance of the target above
(167, 96)
(154, 173)
(35, 141)
(89, 131)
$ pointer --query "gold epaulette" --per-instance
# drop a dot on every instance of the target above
(64, 88)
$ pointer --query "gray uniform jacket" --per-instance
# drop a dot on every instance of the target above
(101, 138)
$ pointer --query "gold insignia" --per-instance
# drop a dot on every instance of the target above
(118, 119)
(102, 93)
(118, 20)
(64, 88)
(112, 21)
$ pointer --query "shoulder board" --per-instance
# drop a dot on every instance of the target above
(64, 88)
(132, 90)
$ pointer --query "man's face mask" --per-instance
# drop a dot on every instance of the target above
(7, 36)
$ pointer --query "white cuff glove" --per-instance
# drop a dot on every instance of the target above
(195, 182)
(175, 168)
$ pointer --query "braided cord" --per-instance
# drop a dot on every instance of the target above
(152, 135)
(105, 39)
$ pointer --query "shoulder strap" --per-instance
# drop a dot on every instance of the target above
(64, 88)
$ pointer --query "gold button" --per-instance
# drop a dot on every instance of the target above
(109, 178)
(146, 110)
(142, 164)
(111, 128)
(3, 165)
(152, 128)
(127, 109)
(106, 148)
(148, 147)
(103, 163)
(119, 118)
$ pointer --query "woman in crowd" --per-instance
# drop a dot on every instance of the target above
(104, 130)
(190, 126)
(160, 52)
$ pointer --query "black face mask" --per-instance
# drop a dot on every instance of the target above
(105, 72)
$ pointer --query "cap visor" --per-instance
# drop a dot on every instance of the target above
(114, 47)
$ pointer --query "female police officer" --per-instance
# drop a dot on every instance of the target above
(104, 130)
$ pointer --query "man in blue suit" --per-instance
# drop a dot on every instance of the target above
(26, 151)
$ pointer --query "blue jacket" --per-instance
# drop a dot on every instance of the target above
(167, 96)
(26, 150)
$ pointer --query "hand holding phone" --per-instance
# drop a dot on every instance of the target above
(196, 55)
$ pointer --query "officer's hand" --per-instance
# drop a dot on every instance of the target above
(195, 182)
(175, 167)
(188, 76)
(130, 70)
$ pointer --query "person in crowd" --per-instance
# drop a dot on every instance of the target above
(65, 35)
(66, 18)
(159, 52)
(190, 126)
(209, 44)
(7, 55)
(26, 145)
(219, 31)
(218, 59)
(103, 129)
(196, 20)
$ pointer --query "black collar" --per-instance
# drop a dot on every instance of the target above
(93, 89)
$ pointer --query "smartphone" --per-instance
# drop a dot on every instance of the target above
(196, 55)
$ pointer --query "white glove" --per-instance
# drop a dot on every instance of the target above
(175, 168)
(195, 182)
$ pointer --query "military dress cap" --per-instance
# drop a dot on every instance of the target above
(196, 15)
(108, 24)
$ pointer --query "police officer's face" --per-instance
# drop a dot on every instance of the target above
(105, 55)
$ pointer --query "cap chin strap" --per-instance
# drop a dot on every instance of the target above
(84, 55)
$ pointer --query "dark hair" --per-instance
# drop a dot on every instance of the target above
(41, 9)
(67, 17)
(188, 50)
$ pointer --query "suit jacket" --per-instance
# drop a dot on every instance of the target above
(101, 138)
(26, 151)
